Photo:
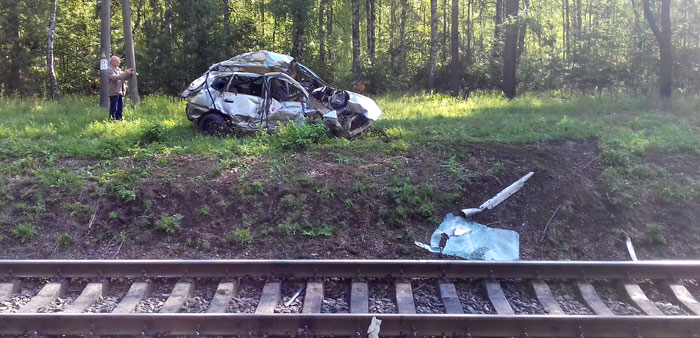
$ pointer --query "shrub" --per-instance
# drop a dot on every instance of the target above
(240, 237)
(169, 224)
(65, 241)
(24, 232)
(292, 137)
(153, 133)
(656, 234)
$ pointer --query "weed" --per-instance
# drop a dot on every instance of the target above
(349, 205)
(24, 232)
(450, 198)
(112, 215)
(292, 137)
(121, 238)
(204, 245)
(266, 230)
(65, 241)
(359, 187)
(400, 212)
(148, 204)
(76, 209)
(169, 224)
(203, 212)
(426, 210)
(341, 158)
(496, 167)
(288, 228)
(398, 146)
(326, 192)
(240, 237)
(655, 232)
(454, 168)
(153, 133)
(287, 202)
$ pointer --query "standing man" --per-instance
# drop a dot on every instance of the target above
(117, 88)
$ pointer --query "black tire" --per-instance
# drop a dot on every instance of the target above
(213, 124)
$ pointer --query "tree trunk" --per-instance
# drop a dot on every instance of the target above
(298, 17)
(169, 19)
(227, 23)
(402, 39)
(105, 51)
(522, 32)
(454, 49)
(663, 38)
(53, 85)
(329, 26)
(444, 31)
(433, 43)
(510, 49)
(15, 85)
(356, 71)
(371, 30)
(321, 37)
(129, 51)
(496, 46)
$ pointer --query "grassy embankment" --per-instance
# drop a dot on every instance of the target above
(64, 161)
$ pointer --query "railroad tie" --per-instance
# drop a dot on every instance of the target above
(636, 296)
(49, 293)
(271, 294)
(587, 293)
(8, 289)
(91, 293)
(137, 292)
(404, 298)
(497, 298)
(313, 298)
(359, 297)
(684, 297)
(180, 294)
(222, 297)
(544, 295)
(448, 293)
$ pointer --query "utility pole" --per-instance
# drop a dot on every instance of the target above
(105, 52)
(129, 51)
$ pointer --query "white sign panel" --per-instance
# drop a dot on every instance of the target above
(103, 64)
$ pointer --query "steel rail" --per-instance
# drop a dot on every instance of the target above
(350, 269)
(348, 324)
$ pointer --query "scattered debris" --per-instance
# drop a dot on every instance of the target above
(373, 329)
(544, 232)
(479, 242)
(630, 249)
(471, 240)
(296, 294)
(500, 197)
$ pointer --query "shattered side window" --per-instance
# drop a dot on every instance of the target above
(247, 85)
(220, 83)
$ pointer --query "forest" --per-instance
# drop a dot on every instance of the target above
(639, 47)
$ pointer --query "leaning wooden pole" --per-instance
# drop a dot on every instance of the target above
(129, 51)
(105, 51)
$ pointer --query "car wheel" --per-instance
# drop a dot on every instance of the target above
(213, 124)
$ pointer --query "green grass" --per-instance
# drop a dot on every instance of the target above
(76, 127)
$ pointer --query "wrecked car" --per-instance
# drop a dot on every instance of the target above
(264, 90)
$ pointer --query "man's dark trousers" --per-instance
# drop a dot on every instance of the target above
(116, 106)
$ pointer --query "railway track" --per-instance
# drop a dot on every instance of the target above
(340, 298)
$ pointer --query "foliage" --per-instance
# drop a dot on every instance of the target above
(169, 224)
(65, 241)
(292, 137)
(240, 237)
(24, 232)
